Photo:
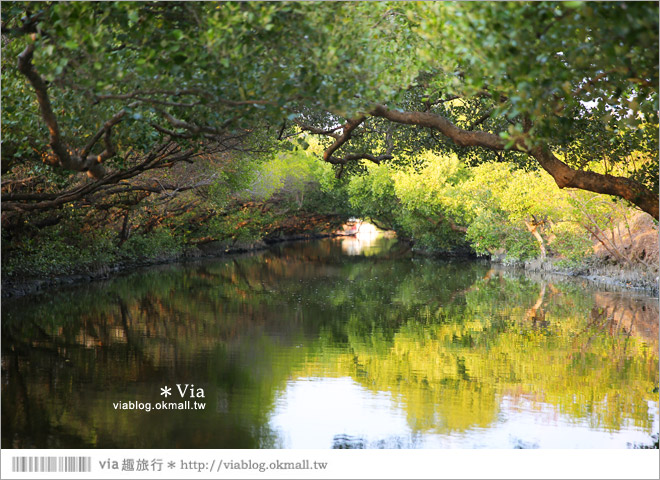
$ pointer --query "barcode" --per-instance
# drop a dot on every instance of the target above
(51, 464)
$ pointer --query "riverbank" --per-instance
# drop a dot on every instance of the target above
(603, 273)
(596, 270)
(600, 273)
(18, 287)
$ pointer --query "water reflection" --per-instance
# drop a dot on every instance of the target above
(364, 238)
(334, 413)
(305, 345)
(317, 413)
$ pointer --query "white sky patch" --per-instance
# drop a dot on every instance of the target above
(311, 412)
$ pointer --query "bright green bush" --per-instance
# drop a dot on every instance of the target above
(572, 243)
(433, 211)
(373, 196)
(514, 214)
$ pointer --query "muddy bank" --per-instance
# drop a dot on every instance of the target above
(601, 273)
(640, 278)
(12, 288)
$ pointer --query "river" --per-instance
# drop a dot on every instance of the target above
(334, 343)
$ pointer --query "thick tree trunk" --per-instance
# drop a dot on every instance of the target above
(567, 177)
(63, 155)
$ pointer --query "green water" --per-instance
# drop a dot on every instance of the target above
(331, 344)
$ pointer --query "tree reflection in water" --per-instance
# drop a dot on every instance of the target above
(461, 351)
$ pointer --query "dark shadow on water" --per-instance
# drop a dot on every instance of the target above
(343, 442)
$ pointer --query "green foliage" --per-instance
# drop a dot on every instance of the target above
(500, 198)
(289, 174)
(243, 225)
(491, 233)
(374, 196)
(403, 54)
(431, 203)
(434, 205)
(231, 52)
(160, 243)
(572, 244)
(52, 253)
(495, 208)
(579, 78)
(537, 57)
(232, 177)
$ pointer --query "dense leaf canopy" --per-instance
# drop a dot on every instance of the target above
(117, 88)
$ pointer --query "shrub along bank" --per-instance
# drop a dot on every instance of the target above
(511, 215)
(441, 206)
(247, 205)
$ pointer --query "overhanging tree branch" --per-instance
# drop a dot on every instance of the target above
(63, 155)
(106, 132)
(26, 67)
(564, 175)
(330, 132)
(463, 138)
(626, 188)
(348, 128)
(164, 155)
(351, 157)
(341, 139)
